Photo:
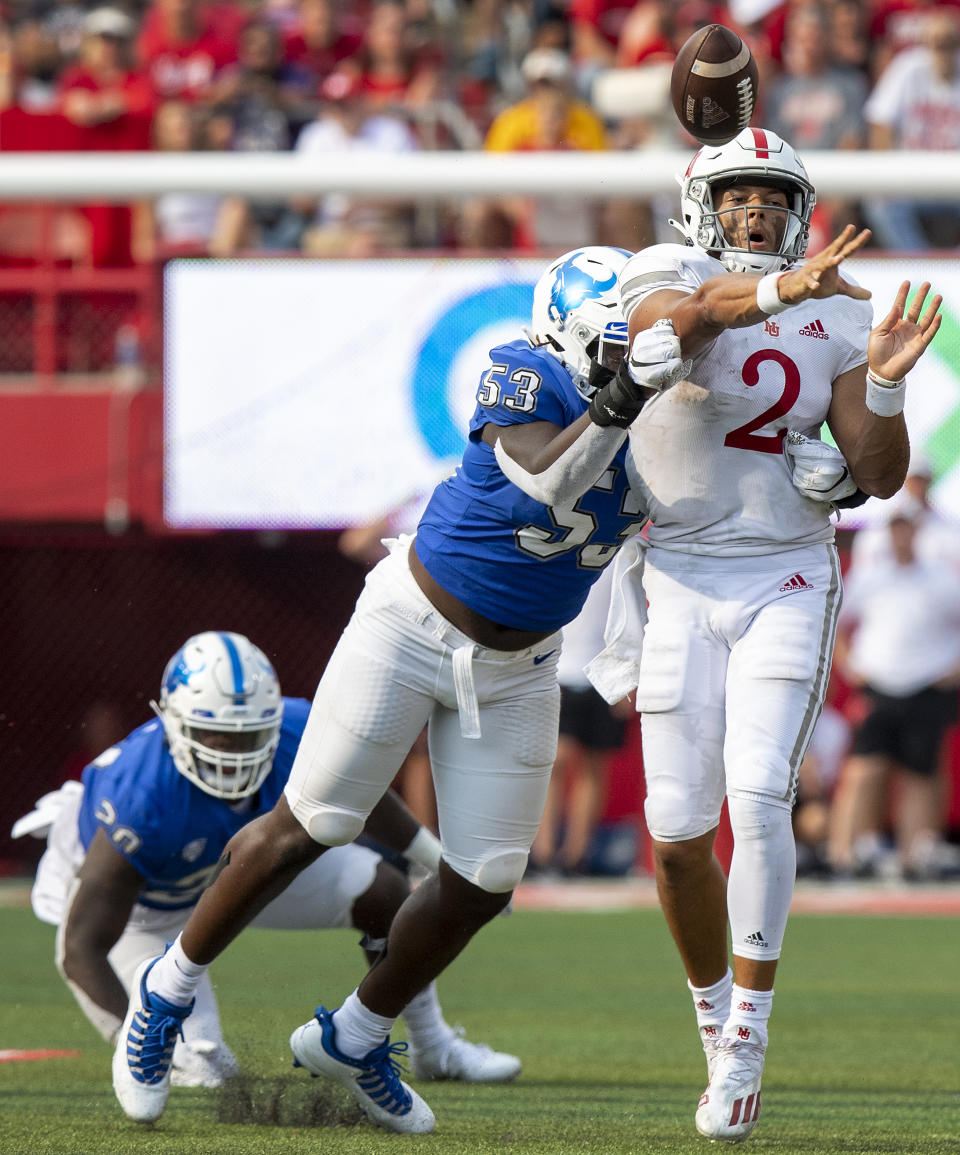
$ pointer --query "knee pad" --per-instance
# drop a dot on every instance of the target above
(501, 872)
(755, 817)
(332, 827)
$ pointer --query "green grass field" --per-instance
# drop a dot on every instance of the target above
(864, 1057)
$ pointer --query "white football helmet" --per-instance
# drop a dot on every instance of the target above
(758, 157)
(576, 314)
(221, 708)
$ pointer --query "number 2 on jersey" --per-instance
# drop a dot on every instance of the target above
(745, 436)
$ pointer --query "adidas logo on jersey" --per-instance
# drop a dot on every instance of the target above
(815, 329)
(797, 582)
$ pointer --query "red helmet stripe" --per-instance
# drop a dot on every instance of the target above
(760, 144)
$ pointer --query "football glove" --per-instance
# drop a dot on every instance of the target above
(652, 365)
(818, 470)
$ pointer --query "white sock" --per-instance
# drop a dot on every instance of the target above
(359, 1030)
(749, 1013)
(712, 1005)
(174, 977)
(424, 1021)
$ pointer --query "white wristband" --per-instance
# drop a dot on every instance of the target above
(424, 850)
(885, 398)
(768, 295)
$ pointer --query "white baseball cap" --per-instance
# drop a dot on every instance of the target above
(108, 22)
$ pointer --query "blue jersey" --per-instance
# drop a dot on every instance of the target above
(170, 830)
(508, 557)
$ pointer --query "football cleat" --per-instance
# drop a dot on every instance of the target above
(711, 1037)
(467, 1062)
(203, 1063)
(730, 1106)
(144, 1052)
(373, 1081)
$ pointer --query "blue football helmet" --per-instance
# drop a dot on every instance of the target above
(576, 314)
(221, 708)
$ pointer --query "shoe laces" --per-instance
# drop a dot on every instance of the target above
(150, 1042)
(738, 1061)
(380, 1079)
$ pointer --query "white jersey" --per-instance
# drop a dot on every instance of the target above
(706, 456)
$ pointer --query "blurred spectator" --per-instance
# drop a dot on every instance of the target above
(816, 105)
(595, 30)
(847, 35)
(819, 773)
(99, 727)
(112, 105)
(63, 20)
(896, 25)
(916, 105)
(899, 645)
(937, 537)
(30, 63)
(397, 66)
(266, 99)
(646, 34)
(321, 38)
(591, 733)
(344, 225)
(183, 44)
(549, 118)
(258, 105)
(102, 86)
(183, 223)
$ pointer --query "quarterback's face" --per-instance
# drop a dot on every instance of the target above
(753, 217)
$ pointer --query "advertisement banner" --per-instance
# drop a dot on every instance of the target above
(320, 394)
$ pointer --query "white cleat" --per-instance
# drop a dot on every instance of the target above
(144, 1051)
(202, 1063)
(465, 1061)
(373, 1081)
(730, 1106)
(710, 1038)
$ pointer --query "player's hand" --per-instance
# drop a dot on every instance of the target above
(652, 365)
(819, 276)
(654, 360)
(898, 342)
(818, 470)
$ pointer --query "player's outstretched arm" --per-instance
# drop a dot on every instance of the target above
(555, 465)
(107, 890)
(866, 413)
(738, 300)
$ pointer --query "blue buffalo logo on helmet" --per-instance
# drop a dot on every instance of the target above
(576, 313)
(576, 281)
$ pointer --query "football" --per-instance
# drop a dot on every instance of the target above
(713, 85)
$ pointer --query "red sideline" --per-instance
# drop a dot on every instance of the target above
(809, 898)
(29, 1056)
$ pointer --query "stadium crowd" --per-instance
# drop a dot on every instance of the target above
(399, 75)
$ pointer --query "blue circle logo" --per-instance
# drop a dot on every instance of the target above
(431, 384)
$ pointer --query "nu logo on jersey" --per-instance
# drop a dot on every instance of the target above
(574, 284)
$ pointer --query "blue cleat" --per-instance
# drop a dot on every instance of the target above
(144, 1050)
(373, 1081)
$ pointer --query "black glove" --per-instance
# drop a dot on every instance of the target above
(620, 400)
(855, 499)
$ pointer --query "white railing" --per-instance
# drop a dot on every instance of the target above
(431, 175)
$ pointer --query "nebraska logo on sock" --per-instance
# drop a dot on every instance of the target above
(744, 1033)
